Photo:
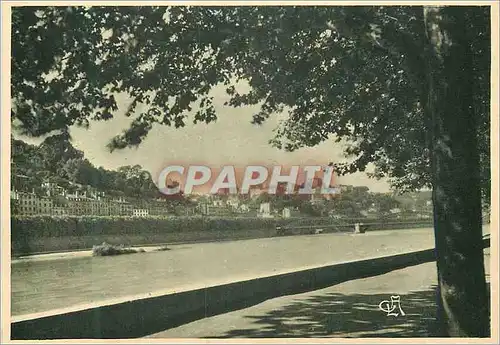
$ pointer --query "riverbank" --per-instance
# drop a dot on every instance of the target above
(80, 254)
(160, 310)
(44, 235)
(72, 254)
(45, 285)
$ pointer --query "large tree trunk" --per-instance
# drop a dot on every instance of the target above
(462, 293)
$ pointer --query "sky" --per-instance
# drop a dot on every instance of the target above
(231, 140)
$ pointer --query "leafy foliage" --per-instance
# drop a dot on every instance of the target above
(106, 249)
(353, 74)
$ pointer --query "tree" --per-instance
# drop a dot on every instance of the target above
(376, 78)
(138, 182)
(56, 150)
(347, 205)
(25, 158)
(81, 171)
(384, 203)
(261, 198)
(456, 171)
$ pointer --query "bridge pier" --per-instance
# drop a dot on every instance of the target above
(359, 229)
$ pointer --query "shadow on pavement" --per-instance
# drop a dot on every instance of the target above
(347, 316)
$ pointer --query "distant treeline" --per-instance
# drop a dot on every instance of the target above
(57, 160)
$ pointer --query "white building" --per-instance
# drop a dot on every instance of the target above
(31, 204)
(286, 213)
(265, 210)
(140, 212)
(218, 203)
(233, 202)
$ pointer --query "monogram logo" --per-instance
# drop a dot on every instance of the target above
(392, 307)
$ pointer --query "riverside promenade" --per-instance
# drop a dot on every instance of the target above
(252, 280)
(55, 281)
(346, 310)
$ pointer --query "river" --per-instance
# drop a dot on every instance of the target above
(42, 285)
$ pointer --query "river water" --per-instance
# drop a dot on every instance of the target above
(44, 285)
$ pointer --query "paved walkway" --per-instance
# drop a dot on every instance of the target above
(346, 310)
